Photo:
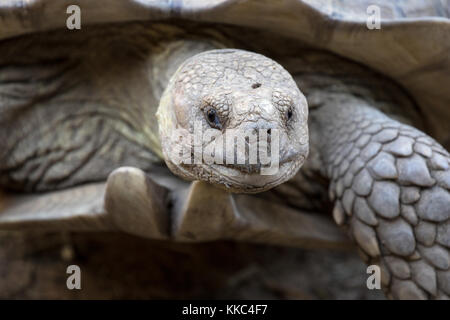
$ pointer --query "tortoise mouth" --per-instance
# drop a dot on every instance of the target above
(237, 178)
(246, 168)
(259, 167)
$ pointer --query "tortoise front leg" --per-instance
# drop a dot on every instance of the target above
(390, 185)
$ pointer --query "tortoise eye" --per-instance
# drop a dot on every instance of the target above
(289, 114)
(213, 118)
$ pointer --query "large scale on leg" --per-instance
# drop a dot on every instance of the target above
(390, 183)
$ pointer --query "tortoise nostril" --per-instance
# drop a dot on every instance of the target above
(256, 85)
(289, 114)
(269, 131)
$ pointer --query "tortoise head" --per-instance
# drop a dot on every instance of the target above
(235, 119)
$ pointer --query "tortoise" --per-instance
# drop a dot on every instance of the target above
(361, 117)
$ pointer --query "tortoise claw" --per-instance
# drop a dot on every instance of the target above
(136, 204)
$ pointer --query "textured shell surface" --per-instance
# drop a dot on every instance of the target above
(411, 47)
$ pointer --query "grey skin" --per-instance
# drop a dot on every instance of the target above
(243, 91)
(388, 182)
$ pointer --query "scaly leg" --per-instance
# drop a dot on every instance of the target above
(390, 185)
